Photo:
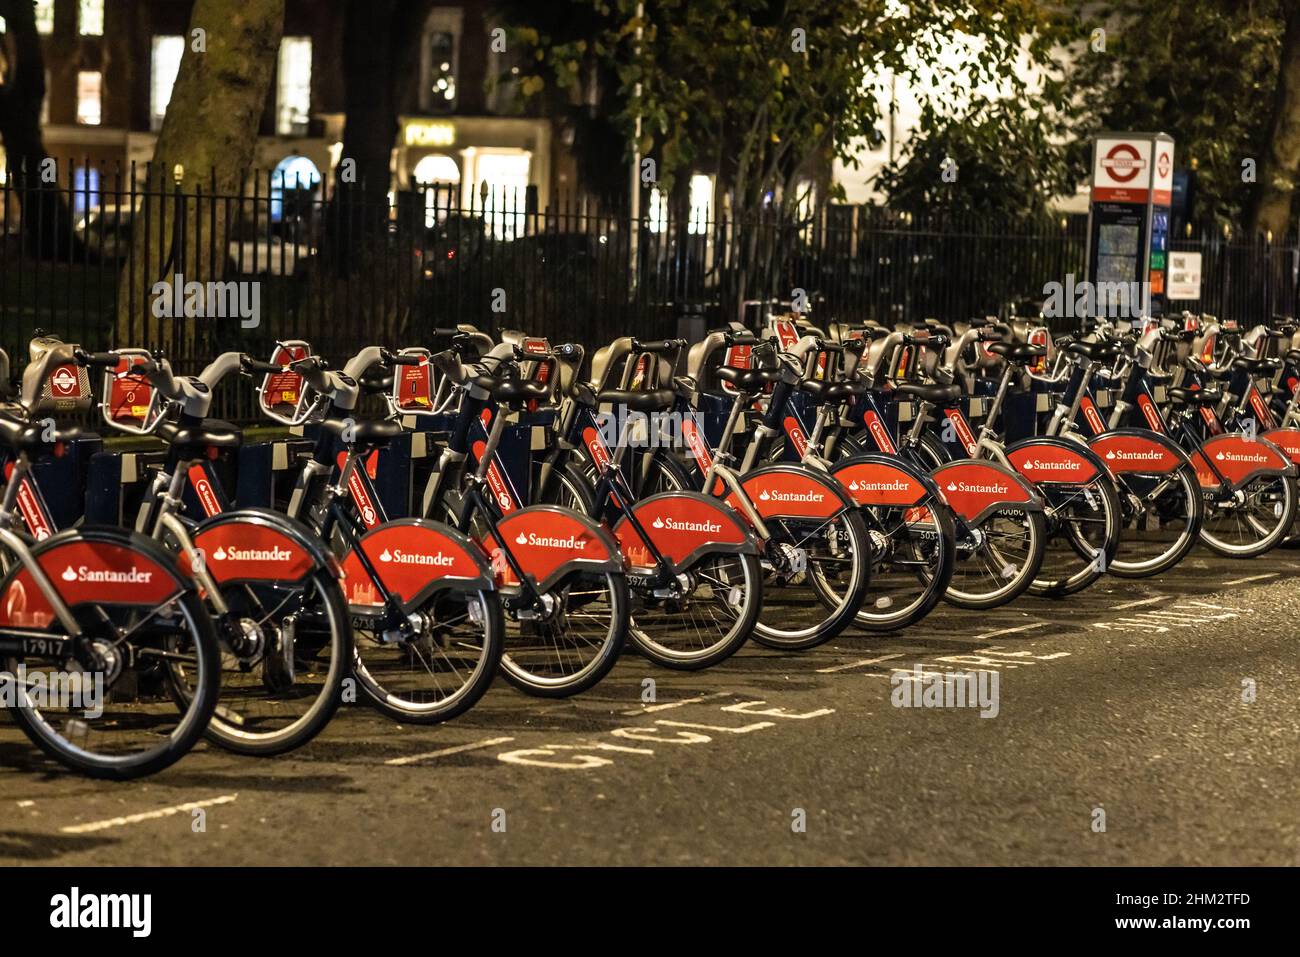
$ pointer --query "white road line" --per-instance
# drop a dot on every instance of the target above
(146, 815)
(1252, 578)
(1139, 603)
(443, 752)
(857, 664)
(1011, 631)
(677, 704)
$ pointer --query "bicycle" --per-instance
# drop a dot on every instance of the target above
(105, 612)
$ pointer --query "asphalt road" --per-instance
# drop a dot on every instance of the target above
(1125, 706)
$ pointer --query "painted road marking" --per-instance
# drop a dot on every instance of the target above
(856, 664)
(1252, 578)
(1139, 603)
(146, 815)
(443, 752)
(1011, 631)
(677, 704)
(1185, 614)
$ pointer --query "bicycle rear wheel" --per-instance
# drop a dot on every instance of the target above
(708, 622)
(442, 667)
(1085, 532)
(1252, 519)
(913, 558)
(1162, 521)
(141, 707)
(998, 558)
(829, 558)
(288, 648)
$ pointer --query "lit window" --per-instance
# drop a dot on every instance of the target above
(89, 97)
(45, 16)
(293, 102)
(90, 18)
(165, 64)
(658, 211)
(701, 204)
(506, 178)
(439, 59)
(442, 73)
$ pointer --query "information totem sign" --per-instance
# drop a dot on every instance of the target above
(1128, 216)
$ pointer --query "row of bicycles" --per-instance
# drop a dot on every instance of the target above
(673, 499)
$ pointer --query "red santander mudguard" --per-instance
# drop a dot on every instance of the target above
(551, 543)
(105, 566)
(1138, 450)
(876, 479)
(1058, 461)
(975, 489)
(256, 544)
(1288, 440)
(414, 557)
(792, 491)
(1239, 459)
(683, 527)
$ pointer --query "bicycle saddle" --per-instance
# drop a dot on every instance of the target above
(1196, 397)
(30, 438)
(832, 391)
(507, 391)
(934, 394)
(639, 400)
(1095, 351)
(368, 432)
(1020, 353)
(209, 432)
(1255, 366)
(748, 380)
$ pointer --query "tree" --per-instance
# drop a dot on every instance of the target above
(30, 169)
(1272, 202)
(763, 94)
(380, 47)
(1204, 71)
(207, 140)
(998, 162)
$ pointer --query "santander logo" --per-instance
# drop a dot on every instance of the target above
(1152, 455)
(415, 558)
(977, 489)
(273, 554)
(678, 526)
(1240, 457)
(573, 542)
(779, 496)
(898, 485)
(1068, 465)
(84, 574)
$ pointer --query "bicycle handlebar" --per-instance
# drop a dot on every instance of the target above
(106, 360)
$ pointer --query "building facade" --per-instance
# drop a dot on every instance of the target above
(111, 64)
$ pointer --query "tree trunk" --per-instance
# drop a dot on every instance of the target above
(380, 45)
(1280, 165)
(46, 221)
(208, 137)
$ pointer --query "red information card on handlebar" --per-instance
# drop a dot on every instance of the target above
(283, 395)
(131, 394)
